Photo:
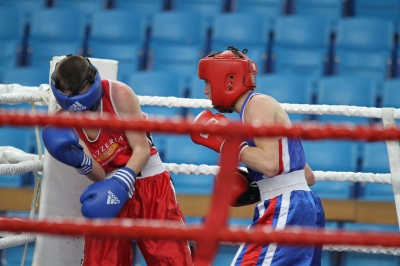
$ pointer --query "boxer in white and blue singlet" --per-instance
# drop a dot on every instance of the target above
(277, 164)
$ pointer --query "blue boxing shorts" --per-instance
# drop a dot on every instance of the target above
(297, 205)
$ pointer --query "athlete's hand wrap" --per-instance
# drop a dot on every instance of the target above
(244, 190)
(210, 141)
(63, 145)
(105, 199)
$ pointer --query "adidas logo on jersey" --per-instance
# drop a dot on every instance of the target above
(112, 199)
(76, 106)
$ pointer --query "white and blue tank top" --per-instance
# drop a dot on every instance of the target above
(291, 153)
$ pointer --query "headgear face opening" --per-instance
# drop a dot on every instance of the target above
(230, 74)
(75, 102)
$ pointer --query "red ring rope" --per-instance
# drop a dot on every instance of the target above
(314, 132)
(138, 229)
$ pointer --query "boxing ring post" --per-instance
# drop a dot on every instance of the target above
(60, 192)
(388, 120)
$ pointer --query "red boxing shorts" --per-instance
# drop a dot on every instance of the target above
(154, 199)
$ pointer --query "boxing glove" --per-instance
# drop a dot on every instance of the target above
(244, 191)
(210, 141)
(63, 145)
(105, 199)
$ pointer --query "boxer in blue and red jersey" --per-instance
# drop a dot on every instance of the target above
(129, 178)
(277, 164)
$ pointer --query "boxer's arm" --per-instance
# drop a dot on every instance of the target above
(264, 157)
(98, 172)
(127, 104)
(310, 178)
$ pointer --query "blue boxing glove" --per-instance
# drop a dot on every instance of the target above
(105, 199)
(63, 145)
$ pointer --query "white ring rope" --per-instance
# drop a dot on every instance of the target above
(14, 94)
(8, 95)
(21, 168)
(28, 166)
(17, 240)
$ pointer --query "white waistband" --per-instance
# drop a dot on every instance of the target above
(153, 167)
(285, 183)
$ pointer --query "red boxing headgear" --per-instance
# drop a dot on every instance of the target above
(230, 74)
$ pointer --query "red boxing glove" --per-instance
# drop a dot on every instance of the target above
(244, 191)
(213, 142)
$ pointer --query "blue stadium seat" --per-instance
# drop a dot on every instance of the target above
(370, 259)
(376, 192)
(84, 6)
(179, 27)
(182, 59)
(87, 7)
(391, 93)
(120, 35)
(388, 9)
(64, 35)
(375, 157)
(375, 160)
(157, 83)
(117, 26)
(330, 155)
(12, 34)
(242, 30)
(366, 34)
(310, 63)
(376, 65)
(346, 90)
(364, 46)
(129, 56)
(177, 41)
(181, 149)
(301, 45)
(146, 6)
(25, 6)
(26, 76)
(205, 7)
(329, 9)
(286, 88)
(268, 8)
(322, 155)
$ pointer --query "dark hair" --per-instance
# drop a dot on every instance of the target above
(71, 73)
